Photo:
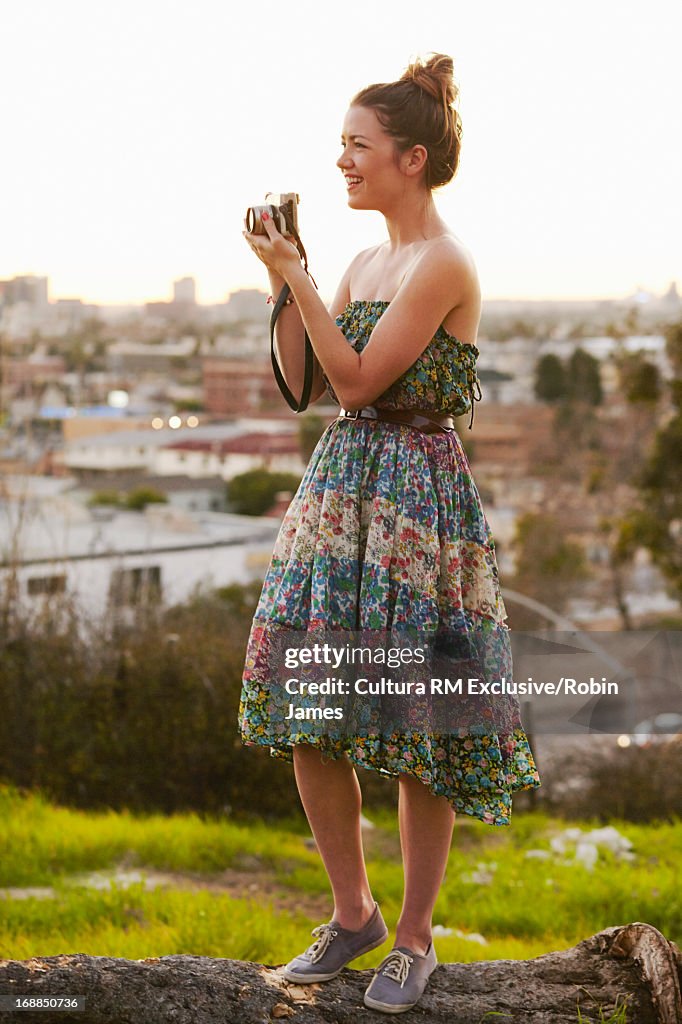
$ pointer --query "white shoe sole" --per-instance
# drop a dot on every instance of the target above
(374, 1004)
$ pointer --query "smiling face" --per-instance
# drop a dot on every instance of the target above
(376, 173)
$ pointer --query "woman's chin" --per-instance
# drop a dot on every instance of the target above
(357, 202)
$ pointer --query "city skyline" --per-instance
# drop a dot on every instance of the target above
(183, 291)
(136, 142)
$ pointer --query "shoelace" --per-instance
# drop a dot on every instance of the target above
(325, 934)
(396, 966)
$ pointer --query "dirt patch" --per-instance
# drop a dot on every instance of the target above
(258, 884)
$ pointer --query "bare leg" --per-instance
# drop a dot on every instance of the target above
(332, 800)
(426, 823)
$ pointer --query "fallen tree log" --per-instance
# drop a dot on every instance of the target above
(632, 965)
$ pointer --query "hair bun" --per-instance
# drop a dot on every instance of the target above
(435, 77)
(425, 115)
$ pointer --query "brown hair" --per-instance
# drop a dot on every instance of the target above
(419, 109)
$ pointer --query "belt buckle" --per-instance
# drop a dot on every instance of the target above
(367, 412)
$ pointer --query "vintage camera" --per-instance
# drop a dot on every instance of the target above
(282, 207)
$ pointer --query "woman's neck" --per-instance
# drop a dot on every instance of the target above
(413, 220)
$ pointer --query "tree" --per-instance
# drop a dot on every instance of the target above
(140, 497)
(635, 961)
(253, 493)
(548, 567)
(104, 498)
(615, 331)
(655, 521)
(86, 346)
(550, 379)
(619, 537)
(632, 322)
(673, 348)
(189, 405)
(640, 380)
(584, 381)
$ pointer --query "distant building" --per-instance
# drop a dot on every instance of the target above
(182, 306)
(236, 386)
(70, 314)
(21, 374)
(248, 304)
(139, 356)
(184, 290)
(111, 561)
(502, 437)
(148, 450)
(24, 306)
(279, 453)
(672, 296)
(29, 289)
(207, 494)
(172, 312)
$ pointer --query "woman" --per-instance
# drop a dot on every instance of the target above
(387, 527)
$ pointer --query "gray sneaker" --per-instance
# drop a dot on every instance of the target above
(334, 947)
(400, 979)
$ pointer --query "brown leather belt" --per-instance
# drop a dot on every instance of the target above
(426, 420)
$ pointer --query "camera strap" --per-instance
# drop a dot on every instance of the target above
(309, 355)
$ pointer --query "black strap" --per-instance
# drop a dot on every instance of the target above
(474, 397)
(309, 355)
(308, 364)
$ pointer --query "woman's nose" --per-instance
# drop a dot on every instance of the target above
(344, 160)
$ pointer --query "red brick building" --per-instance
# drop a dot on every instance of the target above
(238, 386)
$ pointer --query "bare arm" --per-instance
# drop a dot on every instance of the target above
(289, 334)
(443, 279)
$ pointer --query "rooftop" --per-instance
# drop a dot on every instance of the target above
(47, 525)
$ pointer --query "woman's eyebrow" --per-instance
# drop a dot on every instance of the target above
(354, 137)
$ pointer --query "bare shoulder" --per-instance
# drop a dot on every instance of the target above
(449, 265)
(343, 293)
(448, 255)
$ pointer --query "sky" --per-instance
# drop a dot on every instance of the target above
(135, 134)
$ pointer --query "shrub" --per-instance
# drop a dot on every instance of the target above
(641, 784)
(253, 493)
(138, 499)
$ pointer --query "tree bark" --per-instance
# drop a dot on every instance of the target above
(632, 964)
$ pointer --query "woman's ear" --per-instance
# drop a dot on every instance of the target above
(414, 160)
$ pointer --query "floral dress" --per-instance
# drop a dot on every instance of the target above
(387, 530)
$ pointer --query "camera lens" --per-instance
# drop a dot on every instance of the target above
(251, 219)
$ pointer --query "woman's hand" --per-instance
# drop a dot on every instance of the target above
(278, 254)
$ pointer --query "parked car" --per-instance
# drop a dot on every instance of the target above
(660, 729)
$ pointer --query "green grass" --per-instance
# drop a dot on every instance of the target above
(617, 1016)
(531, 907)
(39, 841)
